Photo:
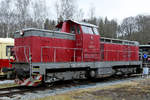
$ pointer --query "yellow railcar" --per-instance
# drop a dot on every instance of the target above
(6, 56)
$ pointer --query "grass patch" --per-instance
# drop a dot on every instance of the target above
(8, 85)
(58, 97)
(85, 94)
(133, 90)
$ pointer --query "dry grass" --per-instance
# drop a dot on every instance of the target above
(133, 90)
(85, 94)
(58, 97)
(7, 85)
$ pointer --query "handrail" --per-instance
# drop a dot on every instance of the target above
(74, 49)
(126, 55)
(25, 52)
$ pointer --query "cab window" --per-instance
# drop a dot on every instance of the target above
(9, 51)
(87, 30)
(95, 31)
(78, 29)
(72, 29)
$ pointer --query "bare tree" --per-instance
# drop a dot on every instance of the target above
(101, 26)
(65, 9)
(143, 24)
(49, 24)
(108, 28)
(18, 14)
(79, 15)
(128, 27)
(6, 17)
(39, 12)
(22, 12)
(92, 18)
(113, 28)
(136, 28)
(91, 13)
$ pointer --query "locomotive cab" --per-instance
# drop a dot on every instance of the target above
(87, 39)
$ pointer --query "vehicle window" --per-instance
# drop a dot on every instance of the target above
(95, 31)
(87, 29)
(72, 29)
(9, 51)
(78, 29)
(57, 29)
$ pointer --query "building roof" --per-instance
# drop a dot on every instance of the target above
(6, 40)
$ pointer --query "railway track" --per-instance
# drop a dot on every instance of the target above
(9, 92)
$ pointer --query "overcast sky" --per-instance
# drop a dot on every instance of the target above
(113, 9)
(117, 8)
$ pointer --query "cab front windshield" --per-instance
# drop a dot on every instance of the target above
(89, 30)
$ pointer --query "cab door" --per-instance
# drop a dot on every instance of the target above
(89, 41)
(79, 44)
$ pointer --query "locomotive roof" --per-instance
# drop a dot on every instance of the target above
(144, 46)
(53, 31)
(119, 41)
(80, 23)
(6, 40)
(84, 23)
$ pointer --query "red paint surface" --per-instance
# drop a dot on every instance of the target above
(118, 52)
(4, 63)
(86, 47)
(42, 49)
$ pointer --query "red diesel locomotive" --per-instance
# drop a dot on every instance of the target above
(75, 51)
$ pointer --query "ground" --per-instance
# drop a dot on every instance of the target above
(7, 83)
(131, 90)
